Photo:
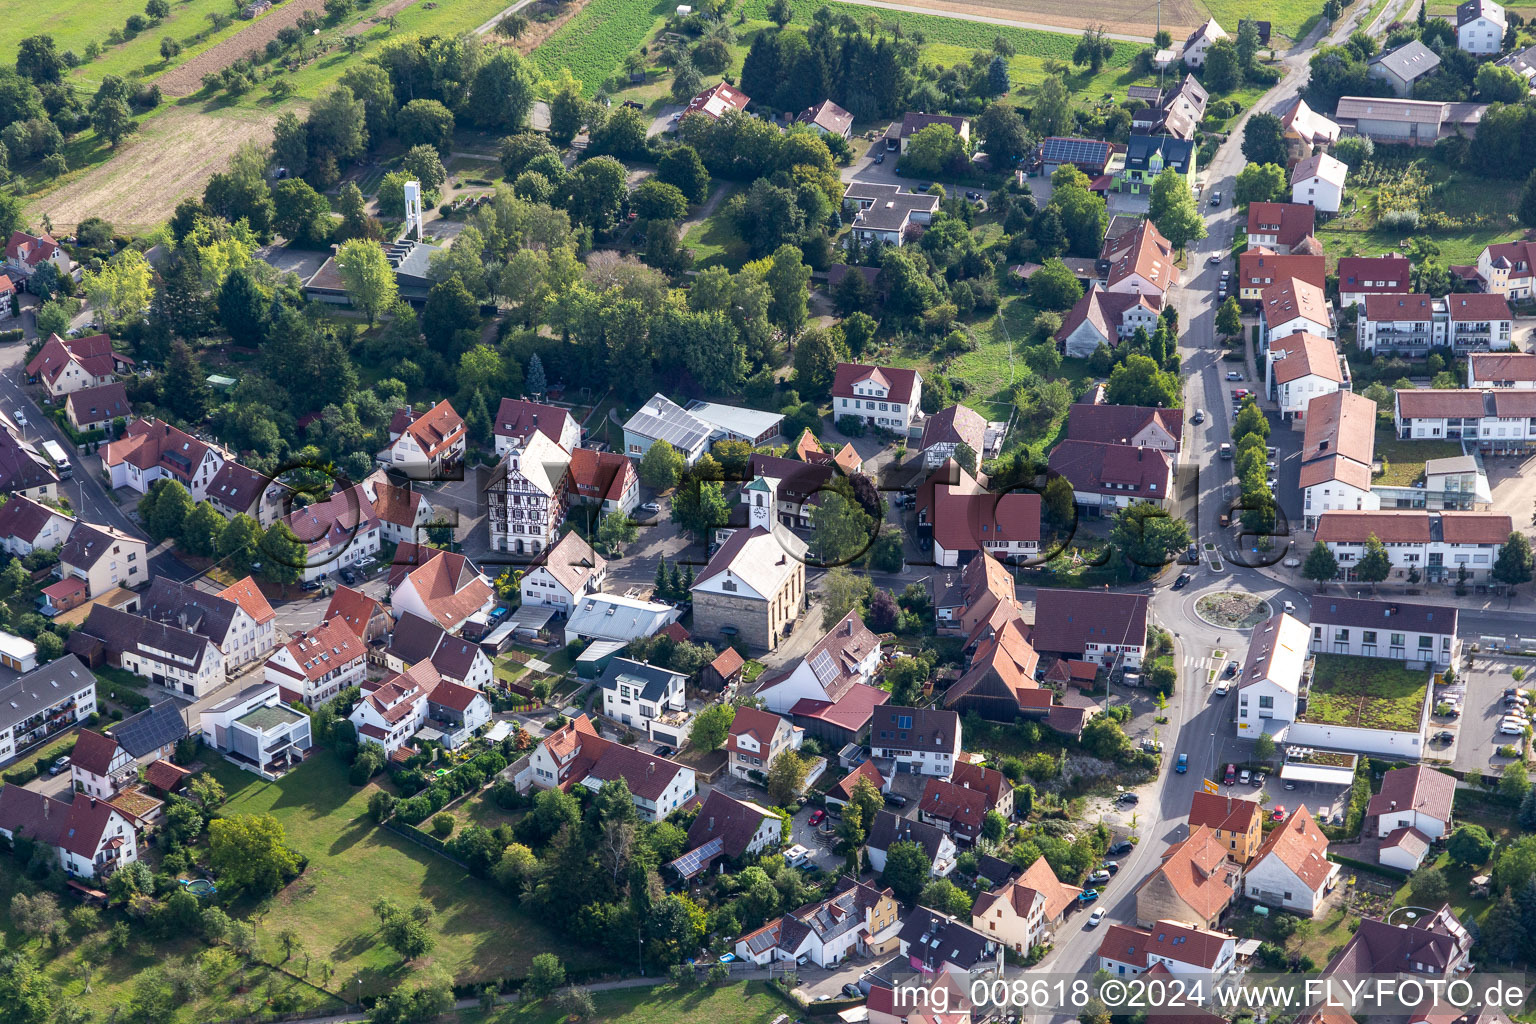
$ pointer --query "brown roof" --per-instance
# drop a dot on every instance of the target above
(150, 443)
(450, 587)
(394, 503)
(1037, 882)
(249, 597)
(898, 381)
(1478, 306)
(436, 429)
(988, 780)
(850, 712)
(757, 723)
(1259, 268)
(571, 561)
(164, 775)
(1399, 306)
(324, 648)
(76, 826)
(1386, 273)
(1475, 527)
(964, 516)
(96, 405)
(957, 424)
(600, 476)
(93, 752)
(1301, 846)
(732, 821)
(1306, 355)
(963, 808)
(1288, 222)
(1342, 423)
(728, 663)
(1336, 467)
(1105, 311)
(827, 116)
(353, 609)
(1107, 468)
(1437, 403)
(1224, 813)
(1097, 421)
(518, 417)
(1414, 527)
(1417, 788)
(89, 543)
(867, 770)
(93, 352)
(1511, 366)
(22, 517)
(1067, 620)
(1285, 300)
(1149, 255)
(1197, 870)
(335, 522)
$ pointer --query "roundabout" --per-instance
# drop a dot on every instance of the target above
(1230, 609)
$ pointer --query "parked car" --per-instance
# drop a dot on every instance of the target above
(1087, 895)
(1258, 778)
(1511, 727)
(879, 158)
(852, 991)
(1099, 876)
(349, 577)
(1152, 746)
(1095, 917)
(1198, 417)
(1235, 375)
(895, 799)
(1192, 554)
(1110, 866)
(1278, 814)
(310, 585)
(1216, 198)
(1128, 799)
(651, 507)
(973, 196)
(60, 765)
(1231, 775)
(668, 752)
(1183, 765)
(817, 817)
(1244, 776)
(1289, 784)
(1222, 689)
(1182, 581)
(1119, 847)
(1445, 736)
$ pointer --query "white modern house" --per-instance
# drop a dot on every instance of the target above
(257, 731)
(1421, 635)
(647, 698)
(1270, 683)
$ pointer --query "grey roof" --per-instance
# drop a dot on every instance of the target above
(42, 688)
(21, 467)
(414, 639)
(1410, 61)
(929, 728)
(184, 606)
(1471, 10)
(1394, 615)
(889, 829)
(936, 939)
(615, 617)
(735, 419)
(662, 419)
(651, 680)
(254, 690)
(151, 728)
(890, 207)
(121, 631)
(1177, 153)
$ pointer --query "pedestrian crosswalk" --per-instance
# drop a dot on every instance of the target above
(1192, 662)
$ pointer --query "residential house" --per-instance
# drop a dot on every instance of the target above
(1438, 544)
(1280, 227)
(1293, 306)
(1091, 625)
(1414, 797)
(1106, 477)
(755, 739)
(518, 418)
(1147, 156)
(999, 679)
(989, 781)
(1504, 268)
(1194, 883)
(419, 699)
(965, 519)
(1106, 318)
(615, 617)
(89, 837)
(415, 640)
(17, 653)
(808, 449)
(318, 663)
(847, 656)
(966, 598)
(178, 660)
(1479, 321)
(1023, 913)
(8, 291)
(239, 490)
(934, 943)
(445, 587)
(1091, 156)
(1437, 945)
(1177, 113)
(1401, 323)
(605, 479)
(1292, 870)
(1318, 180)
(1502, 370)
(1270, 684)
(563, 573)
(237, 619)
(1301, 367)
(27, 526)
(1234, 821)
(646, 698)
(257, 731)
(339, 531)
(888, 213)
(1522, 62)
(1404, 67)
(527, 496)
(152, 734)
(922, 741)
(1337, 450)
(25, 252)
(858, 919)
(1362, 276)
(99, 766)
(661, 419)
(1419, 634)
(365, 617)
(828, 118)
(716, 101)
(1480, 27)
(888, 829)
(727, 829)
(1306, 131)
(1407, 122)
(65, 365)
(753, 588)
(152, 449)
(912, 123)
(103, 558)
(916, 999)
(947, 429)
(43, 703)
(1496, 420)
(95, 408)
(575, 755)
(1166, 945)
(1259, 268)
(956, 809)
(24, 471)
(1141, 262)
(725, 673)
(883, 396)
(1199, 42)
(841, 792)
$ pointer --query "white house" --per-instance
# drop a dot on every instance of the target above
(1480, 27)
(151, 449)
(1360, 276)
(1318, 180)
(884, 396)
(1438, 544)
(1108, 476)
(1337, 449)
(887, 213)
(67, 365)
(966, 517)
(255, 730)
(1199, 42)
(889, 829)
(444, 587)
(847, 655)
(392, 711)
(923, 741)
(425, 445)
(99, 766)
(238, 619)
(1294, 306)
(1505, 268)
(645, 697)
(563, 573)
(341, 531)
(1270, 682)
(1419, 634)
(1292, 870)
(1178, 948)
(517, 418)
(103, 558)
(1141, 262)
(42, 703)
(857, 919)
(575, 755)
(1417, 797)
(188, 665)
(317, 664)
(1302, 367)
(27, 526)
(1020, 914)
(1402, 323)
(90, 837)
(1515, 370)
(755, 739)
(526, 497)
(1103, 317)
(1497, 420)
(415, 640)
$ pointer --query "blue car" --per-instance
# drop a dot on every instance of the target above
(1183, 765)
(1087, 895)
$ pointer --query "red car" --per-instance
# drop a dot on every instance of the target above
(817, 817)
(1279, 813)
(1231, 774)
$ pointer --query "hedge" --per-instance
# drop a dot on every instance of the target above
(1376, 869)
(9, 336)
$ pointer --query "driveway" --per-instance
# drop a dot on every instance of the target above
(818, 984)
(1477, 731)
(663, 121)
(1512, 478)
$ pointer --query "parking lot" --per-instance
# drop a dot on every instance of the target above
(1512, 478)
(1477, 730)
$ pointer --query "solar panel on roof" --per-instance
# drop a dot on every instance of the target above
(821, 665)
(692, 862)
(1073, 151)
(151, 729)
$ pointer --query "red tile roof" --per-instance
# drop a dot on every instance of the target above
(249, 597)
(1067, 620)
(352, 609)
(1288, 222)
(325, 648)
(852, 711)
(451, 588)
(1224, 813)
(1479, 306)
(1259, 268)
(600, 476)
(1301, 846)
(93, 752)
(1305, 355)
(898, 381)
(1389, 272)
(962, 808)
(1418, 788)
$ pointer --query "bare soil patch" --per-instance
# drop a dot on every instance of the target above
(185, 79)
(1131, 17)
(380, 16)
(539, 29)
(141, 185)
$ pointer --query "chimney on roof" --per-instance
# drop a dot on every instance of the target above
(47, 802)
(1394, 805)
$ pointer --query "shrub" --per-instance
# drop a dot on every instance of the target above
(1400, 220)
(442, 826)
(852, 426)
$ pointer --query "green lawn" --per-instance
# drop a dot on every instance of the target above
(742, 1002)
(715, 242)
(1372, 692)
(139, 58)
(1404, 460)
(480, 934)
(595, 42)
